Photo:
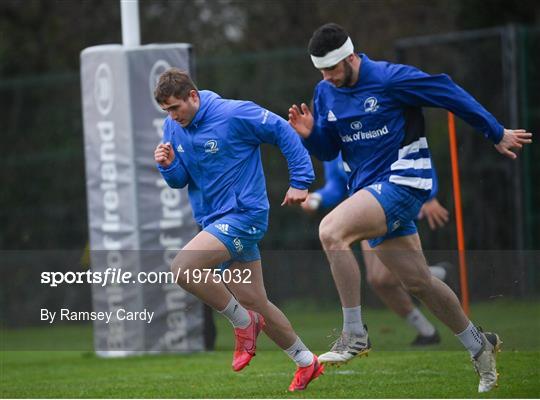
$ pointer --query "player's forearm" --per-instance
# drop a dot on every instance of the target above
(301, 172)
(414, 87)
(299, 163)
(465, 106)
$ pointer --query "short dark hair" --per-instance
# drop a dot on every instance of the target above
(327, 38)
(173, 82)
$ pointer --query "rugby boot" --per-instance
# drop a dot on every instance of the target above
(246, 341)
(345, 348)
(304, 375)
(484, 361)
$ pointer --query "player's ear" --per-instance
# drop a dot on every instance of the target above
(193, 94)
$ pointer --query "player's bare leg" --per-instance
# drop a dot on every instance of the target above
(386, 284)
(252, 295)
(206, 251)
(355, 218)
(361, 217)
(203, 251)
(358, 217)
(392, 292)
(404, 257)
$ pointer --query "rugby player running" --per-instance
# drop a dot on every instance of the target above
(361, 108)
(212, 145)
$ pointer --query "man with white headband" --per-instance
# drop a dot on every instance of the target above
(364, 109)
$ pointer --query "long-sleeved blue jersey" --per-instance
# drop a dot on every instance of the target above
(218, 156)
(372, 123)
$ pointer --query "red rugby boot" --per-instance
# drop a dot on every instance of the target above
(304, 375)
(246, 341)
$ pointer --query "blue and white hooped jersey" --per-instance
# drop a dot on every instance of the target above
(378, 124)
(336, 176)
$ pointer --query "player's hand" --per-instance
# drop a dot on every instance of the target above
(164, 154)
(301, 119)
(294, 196)
(312, 203)
(435, 213)
(513, 139)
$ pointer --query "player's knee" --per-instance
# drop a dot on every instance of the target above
(330, 236)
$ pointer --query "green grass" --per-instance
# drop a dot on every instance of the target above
(393, 369)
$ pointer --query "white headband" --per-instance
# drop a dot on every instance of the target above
(333, 57)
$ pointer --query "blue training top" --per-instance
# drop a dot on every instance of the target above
(368, 123)
(218, 157)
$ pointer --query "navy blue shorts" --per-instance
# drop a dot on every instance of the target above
(401, 206)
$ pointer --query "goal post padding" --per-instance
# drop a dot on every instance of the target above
(136, 222)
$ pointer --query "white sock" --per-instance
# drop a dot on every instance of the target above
(352, 321)
(236, 314)
(419, 322)
(438, 272)
(299, 353)
(471, 338)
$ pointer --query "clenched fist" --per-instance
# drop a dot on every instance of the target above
(164, 154)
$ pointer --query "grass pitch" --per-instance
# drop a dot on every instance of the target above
(393, 369)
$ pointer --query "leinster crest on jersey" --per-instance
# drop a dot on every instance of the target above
(211, 146)
(371, 104)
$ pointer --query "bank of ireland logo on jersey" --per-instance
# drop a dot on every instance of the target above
(211, 146)
(159, 67)
(356, 125)
(103, 89)
(370, 105)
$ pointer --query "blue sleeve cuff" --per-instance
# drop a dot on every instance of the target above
(170, 168)
(499, 135)
(300, 184)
